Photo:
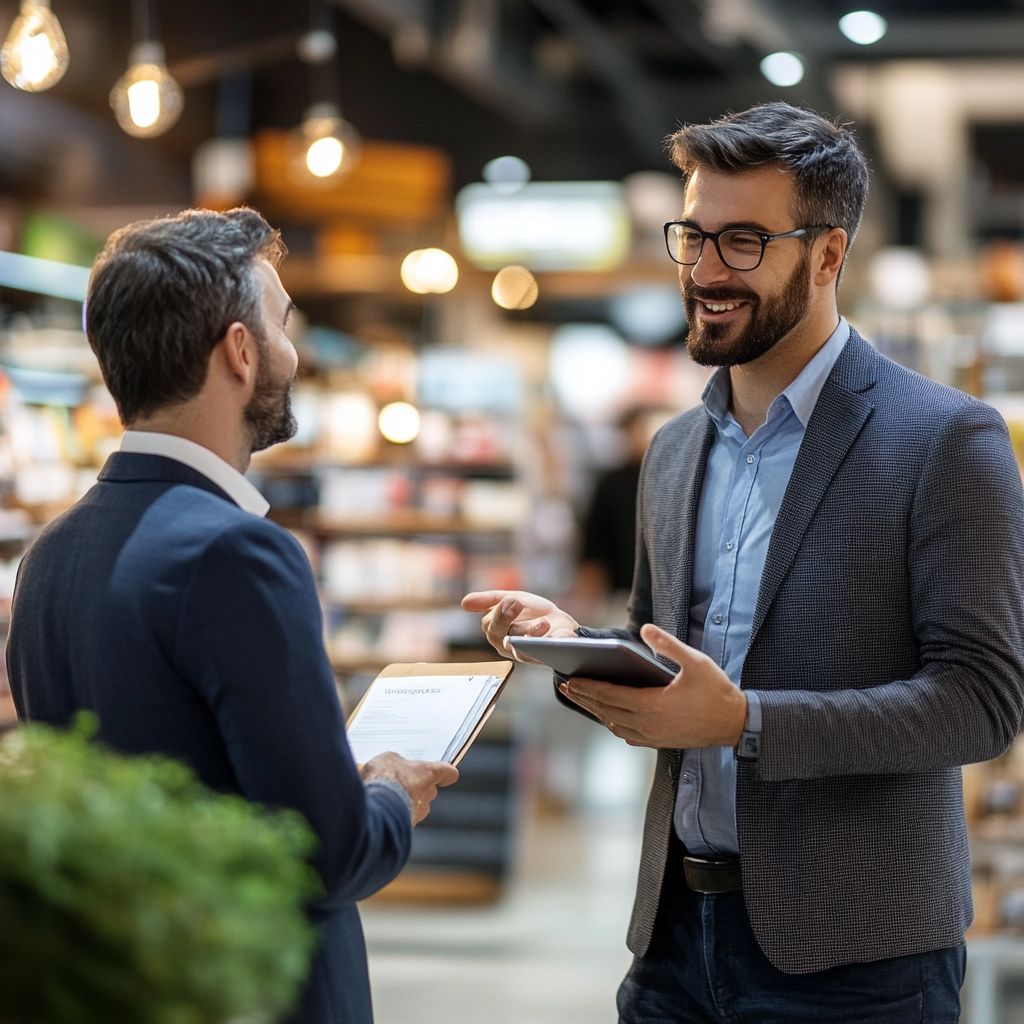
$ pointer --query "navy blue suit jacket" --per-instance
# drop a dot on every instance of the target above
(193, 629)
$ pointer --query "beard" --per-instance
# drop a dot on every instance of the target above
(770, 320)
(268, 414)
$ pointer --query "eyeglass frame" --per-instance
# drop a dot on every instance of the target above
(715, 235)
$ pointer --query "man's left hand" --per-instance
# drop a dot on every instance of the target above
(700, 707)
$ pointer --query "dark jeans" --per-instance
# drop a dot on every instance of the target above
(704, 966)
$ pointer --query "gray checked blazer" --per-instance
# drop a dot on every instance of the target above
(887, 648)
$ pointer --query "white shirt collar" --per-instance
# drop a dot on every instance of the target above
(202, 460)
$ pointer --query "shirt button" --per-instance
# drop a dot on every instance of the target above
(717, 618)
(686, 778)
(728, 545)
(750, 460)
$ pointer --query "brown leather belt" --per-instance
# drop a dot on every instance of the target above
(712, 876)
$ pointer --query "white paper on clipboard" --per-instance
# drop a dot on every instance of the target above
(425, 712)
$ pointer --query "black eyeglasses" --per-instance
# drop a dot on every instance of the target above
(738, 248)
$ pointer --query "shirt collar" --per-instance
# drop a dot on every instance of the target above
(801, 395)
(202, 460)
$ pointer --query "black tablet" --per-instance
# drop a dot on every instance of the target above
(613, 661)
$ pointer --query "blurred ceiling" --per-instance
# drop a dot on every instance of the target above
(578, 88)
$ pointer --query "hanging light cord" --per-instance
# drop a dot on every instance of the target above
(143, 18)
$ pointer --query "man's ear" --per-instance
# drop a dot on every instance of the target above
(832, 255)
(238, 347)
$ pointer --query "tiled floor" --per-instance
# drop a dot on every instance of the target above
(552, 952)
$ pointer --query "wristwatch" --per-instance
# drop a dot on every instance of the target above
(749, 746)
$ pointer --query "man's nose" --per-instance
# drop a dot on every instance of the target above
(709, 269)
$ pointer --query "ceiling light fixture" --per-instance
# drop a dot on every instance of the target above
(35, 55)
(146, 99)
(325, 147)
(784, 69)
(863, 27)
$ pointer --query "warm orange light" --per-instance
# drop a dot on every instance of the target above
(514, 288)
(427, 271)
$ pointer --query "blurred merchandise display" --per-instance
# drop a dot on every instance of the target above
(994, 804)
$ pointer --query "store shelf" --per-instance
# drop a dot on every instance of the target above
(440, 887)
(461, 852)
(299, 460)
(371, 663)
(404, 522)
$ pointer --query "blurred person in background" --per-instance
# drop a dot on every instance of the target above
(609, 529)
(165, 603)
(831, 550)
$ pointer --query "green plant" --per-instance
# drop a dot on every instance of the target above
(131, 894)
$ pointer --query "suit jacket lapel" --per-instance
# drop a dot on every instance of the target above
(839, 416)
(694, 461)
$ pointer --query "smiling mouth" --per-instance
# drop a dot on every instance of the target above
(719, 308)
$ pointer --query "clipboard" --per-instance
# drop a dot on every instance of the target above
(501, 669)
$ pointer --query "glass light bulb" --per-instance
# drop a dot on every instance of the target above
(146, 99)
(324, 156)
(35, 55)
(144, 102)
(323, 149)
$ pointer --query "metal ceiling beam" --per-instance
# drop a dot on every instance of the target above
(684, 20)
(469, 54)
(208, 67)
(639, 106)
(975, 36)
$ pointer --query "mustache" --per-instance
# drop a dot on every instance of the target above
(696, 293)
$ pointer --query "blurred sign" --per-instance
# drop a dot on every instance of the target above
(45, 277)
(393, 182)
(551, 225)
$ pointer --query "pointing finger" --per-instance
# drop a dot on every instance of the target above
(482, 600)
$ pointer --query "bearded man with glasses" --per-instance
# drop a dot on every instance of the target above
(831, 550)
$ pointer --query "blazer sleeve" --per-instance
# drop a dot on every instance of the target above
(965, 571)
(250, 639)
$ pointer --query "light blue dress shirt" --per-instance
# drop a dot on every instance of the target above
(744, 483)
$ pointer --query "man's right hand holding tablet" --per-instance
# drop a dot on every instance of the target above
(700, 708)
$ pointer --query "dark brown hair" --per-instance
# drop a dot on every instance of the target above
(831, 175)
(162, 294)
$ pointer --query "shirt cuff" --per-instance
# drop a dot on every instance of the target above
(750, 742)
(396, 787)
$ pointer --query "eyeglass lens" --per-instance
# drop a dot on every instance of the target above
(741, 250)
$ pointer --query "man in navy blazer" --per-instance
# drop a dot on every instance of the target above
(831, 551)
(164, 601)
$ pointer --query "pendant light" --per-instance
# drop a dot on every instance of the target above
(325, 147)
(35, 55)
(146, 99)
